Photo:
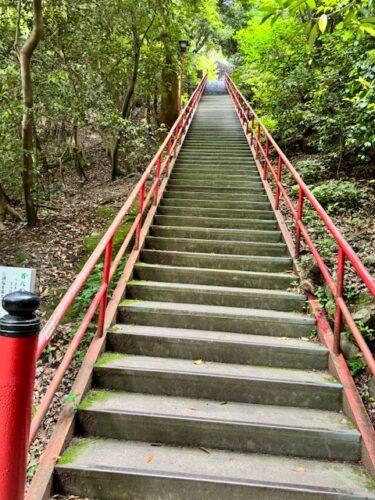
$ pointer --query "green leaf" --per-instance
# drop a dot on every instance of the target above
(313, 35)
(311, 4)
(323, 20)
(368, 29)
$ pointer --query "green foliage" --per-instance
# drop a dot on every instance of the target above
(310, 170)
(337, 195)
(352, 19)
(82, 70)
(356, 366)
(319, 95)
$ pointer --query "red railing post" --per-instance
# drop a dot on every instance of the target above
(265, 163)
(141, 202)
(169, 155)
(279, 171)
(298, 221)
(106, 279)
(18, 348)
(339, 293)
(158, 170)
(257, 142)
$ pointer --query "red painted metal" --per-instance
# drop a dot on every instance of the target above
(17, 375)
(346, 254)
(339, 293)
(352, 402)
(253, 126)
(19, 360)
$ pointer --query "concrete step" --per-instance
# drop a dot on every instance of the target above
(198, 423)
(216, 234)
(217, 261)
(192, 170)
(215, 246)
(208, 149)
(215, 176)
(220, 157)
(215, 222)
(209, 162)
(219, 347)
(178, 194)
(214, 143)
(220, 184)
(113, 469)
(216, 189)
(216, 295)
(216, 212)
(239, 205)
(218, 381)
(216, 318)
(215, 277)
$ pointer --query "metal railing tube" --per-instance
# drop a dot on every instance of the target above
(19, 331)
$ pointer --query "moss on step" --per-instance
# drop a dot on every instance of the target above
(130, 302)
(94, 397)
(76, 447)
(108, 358)
(370, 482)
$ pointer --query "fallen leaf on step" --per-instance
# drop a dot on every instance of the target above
(300, 469)
(344, 421)
(150, 458)
(199, 362)
(305, 339)
(204, 449)
(193, 409)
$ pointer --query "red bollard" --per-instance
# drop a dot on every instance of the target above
(18, 344)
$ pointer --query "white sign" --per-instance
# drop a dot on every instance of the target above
(15, 279)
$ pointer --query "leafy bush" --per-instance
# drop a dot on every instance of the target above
(337, 196)
(309, 170)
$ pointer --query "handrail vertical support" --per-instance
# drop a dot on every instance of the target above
(279, 172)
(257, 143)
(141, 202)
(265, 163)
(299, 221)
(339, 293)
(158, 170)
(169, 155)
(106, 279)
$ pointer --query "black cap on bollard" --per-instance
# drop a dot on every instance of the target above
(21, 320)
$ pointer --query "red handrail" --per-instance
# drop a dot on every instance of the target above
(155, 171)
(261, 142)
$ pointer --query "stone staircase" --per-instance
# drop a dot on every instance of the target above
(210, 387)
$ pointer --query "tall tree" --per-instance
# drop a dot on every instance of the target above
(26, 54)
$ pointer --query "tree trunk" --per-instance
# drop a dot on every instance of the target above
(116, 171)
(28, 118)
(169, 97)
(78, 157)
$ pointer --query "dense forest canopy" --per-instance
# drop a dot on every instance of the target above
(72, 71)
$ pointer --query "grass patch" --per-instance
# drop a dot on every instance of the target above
(370, 483)
(94, 397)
(108, 358)
(77, 446)
(130, 302)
